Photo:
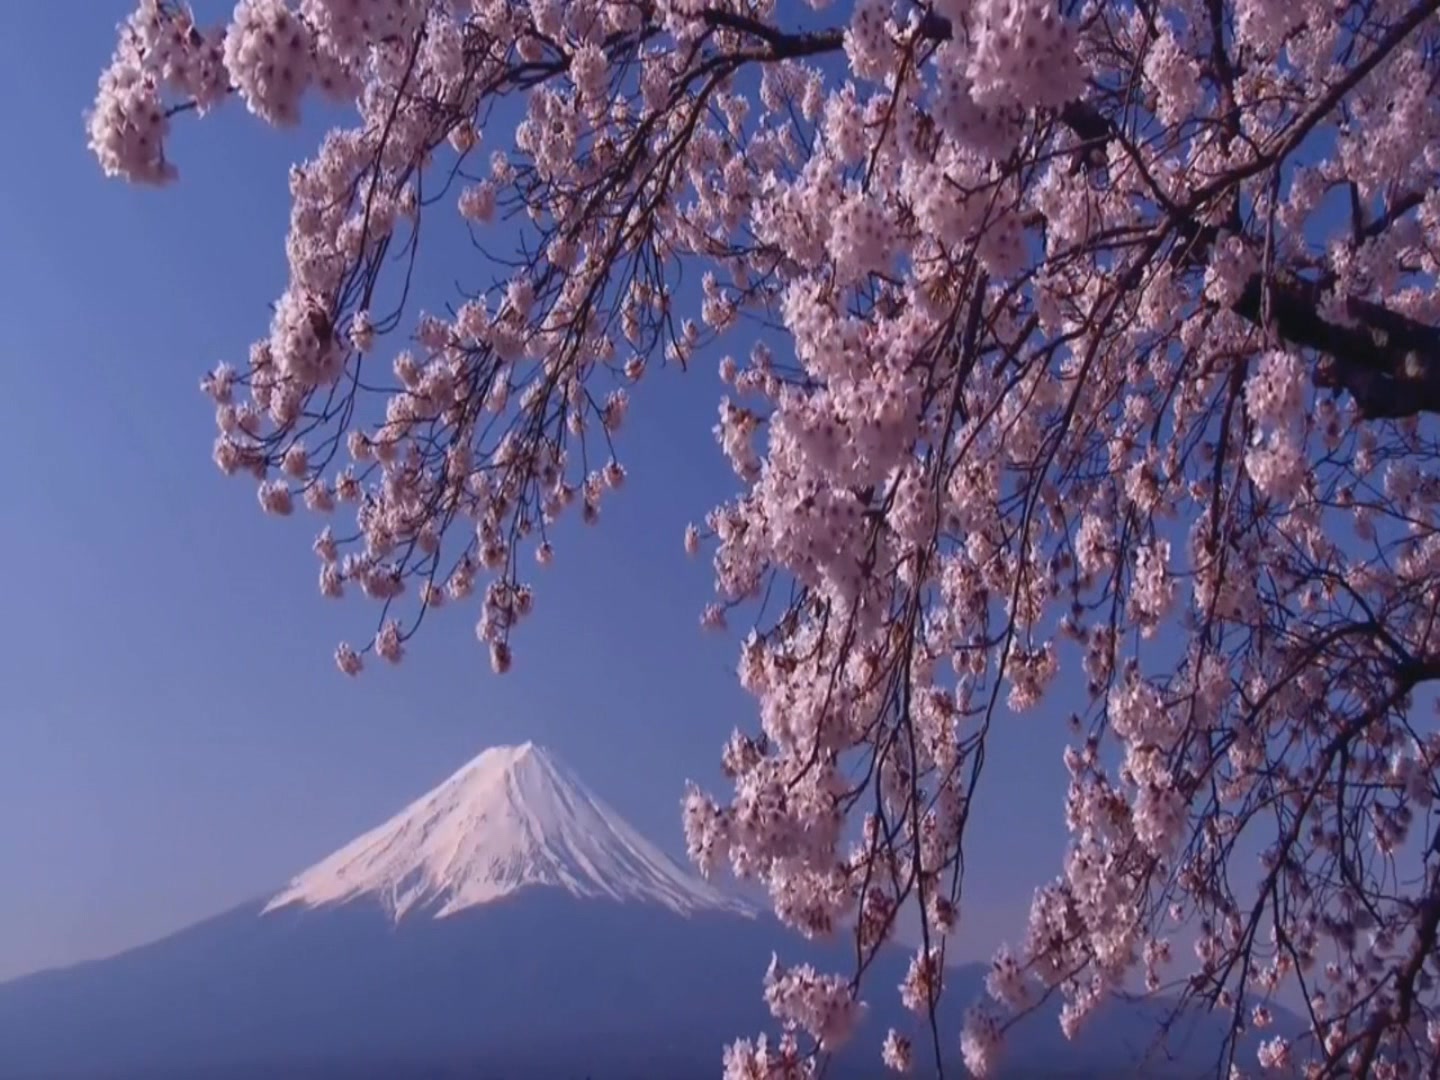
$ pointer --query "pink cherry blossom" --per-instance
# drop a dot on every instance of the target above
(1079, 362)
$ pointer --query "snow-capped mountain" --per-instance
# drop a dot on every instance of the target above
(514, 817)
(506, 924)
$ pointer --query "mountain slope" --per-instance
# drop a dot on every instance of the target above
(542, 986)
(514, 817)
(538, 985)
(506, 925)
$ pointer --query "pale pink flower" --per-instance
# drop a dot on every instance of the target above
(389, 643)
(296, 461)
(275, 497)
(896, 1052)
(348, 660)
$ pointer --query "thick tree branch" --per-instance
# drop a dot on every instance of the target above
(1388, 362)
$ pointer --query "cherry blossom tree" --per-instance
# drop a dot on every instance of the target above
(1109, 345)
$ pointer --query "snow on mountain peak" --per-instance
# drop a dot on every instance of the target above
(512, 818)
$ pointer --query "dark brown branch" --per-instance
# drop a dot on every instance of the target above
(1424, 947)
(1388, 362)
(783, 46)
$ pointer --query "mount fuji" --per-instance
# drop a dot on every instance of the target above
(508, 925)
(513, 818)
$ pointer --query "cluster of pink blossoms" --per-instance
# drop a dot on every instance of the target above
(1089, 402)
(161, 52)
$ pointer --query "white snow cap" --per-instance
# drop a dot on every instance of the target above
(514, 817)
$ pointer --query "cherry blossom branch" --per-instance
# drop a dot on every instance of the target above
(1060, 346)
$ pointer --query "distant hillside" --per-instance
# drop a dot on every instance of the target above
(507, 925)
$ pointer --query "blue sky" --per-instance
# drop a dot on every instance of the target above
(174, 737)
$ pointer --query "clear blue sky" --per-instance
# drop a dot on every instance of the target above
(174, 737)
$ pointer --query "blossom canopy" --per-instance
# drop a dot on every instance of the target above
(1105, 353)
